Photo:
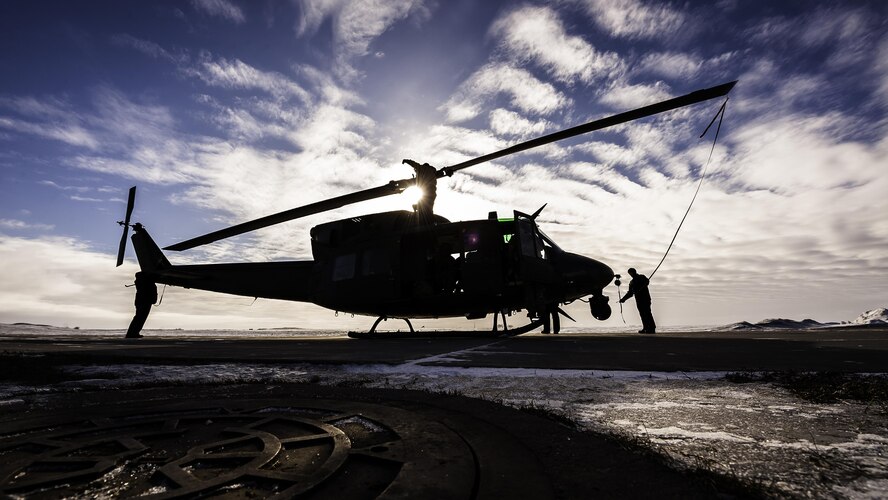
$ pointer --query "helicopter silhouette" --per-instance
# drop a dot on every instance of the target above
(404, 264)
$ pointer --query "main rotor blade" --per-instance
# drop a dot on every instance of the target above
(393, 187)
(653, 109)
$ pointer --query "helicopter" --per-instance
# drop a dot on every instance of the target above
(414, 264)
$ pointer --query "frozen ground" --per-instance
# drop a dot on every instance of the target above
(754, 431)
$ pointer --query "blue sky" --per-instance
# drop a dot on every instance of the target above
(224, 111)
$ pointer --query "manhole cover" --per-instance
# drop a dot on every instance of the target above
(312, 449)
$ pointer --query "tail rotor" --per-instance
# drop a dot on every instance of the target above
(130, 203)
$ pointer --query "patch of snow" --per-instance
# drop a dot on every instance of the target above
(782, 407)
(874, 316)
(657, 405)
(109, 376)
(863, 489)
(666, 434)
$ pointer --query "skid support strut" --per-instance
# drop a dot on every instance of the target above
(495, 317)
(384, 318)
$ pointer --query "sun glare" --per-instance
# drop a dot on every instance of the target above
(412, 195)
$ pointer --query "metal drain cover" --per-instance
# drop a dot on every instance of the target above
(312, 448)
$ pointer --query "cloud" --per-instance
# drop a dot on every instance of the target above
(527, 93)
(86, 199)
(64, 282)
(234, 180)
(333, 129)
(72, 134)
(79, 189)
(881, 66)
(819, 160)
(220, 8)
(16, 224)
(237, 74)
(56, 278)
(138, 141)
(148, 48)
(636, 19)
(611, 154)
(356, 24)
(849, 34)
(505, 122)
(44, 107)
(49, 118)
(325, 85)
(537, 34)
(627, 96)
(671, 64)
(449, 144)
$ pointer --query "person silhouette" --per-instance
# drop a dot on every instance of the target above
(638, 287)
(146, 296)
(427, 181)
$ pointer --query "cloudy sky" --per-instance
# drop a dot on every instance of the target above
(224, 111)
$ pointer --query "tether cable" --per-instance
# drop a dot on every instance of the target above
(619, 300)
(720, 115)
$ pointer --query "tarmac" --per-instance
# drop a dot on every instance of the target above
(308, 440)
(857, 350)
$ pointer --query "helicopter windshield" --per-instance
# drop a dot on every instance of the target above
(510, 226)
(548, 241)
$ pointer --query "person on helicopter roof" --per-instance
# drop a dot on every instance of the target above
(639, 288)
(427, 181)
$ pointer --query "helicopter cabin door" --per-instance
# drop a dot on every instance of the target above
(480, 262)
(451, 260)
(533, 267)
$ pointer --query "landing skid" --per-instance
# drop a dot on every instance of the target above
(413, 334)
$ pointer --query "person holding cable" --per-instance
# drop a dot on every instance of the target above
(638, 287)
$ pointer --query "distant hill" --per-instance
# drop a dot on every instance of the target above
(872, 318)
(776, 323)
(789, 323)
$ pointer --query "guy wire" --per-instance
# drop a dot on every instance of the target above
(720, 115)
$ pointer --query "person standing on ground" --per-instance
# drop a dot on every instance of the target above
(146, 296)
(638, 288)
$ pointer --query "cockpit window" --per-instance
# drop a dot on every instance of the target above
(507, 228)
(375, 261)
(344, 267)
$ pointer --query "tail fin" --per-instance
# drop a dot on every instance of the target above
(147, 252)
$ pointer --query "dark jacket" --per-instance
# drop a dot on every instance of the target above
(146, 291)
(639, 288)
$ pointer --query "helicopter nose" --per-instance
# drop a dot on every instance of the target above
(584, 273)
